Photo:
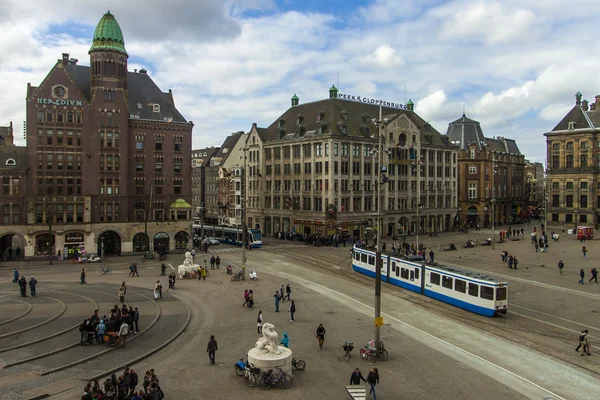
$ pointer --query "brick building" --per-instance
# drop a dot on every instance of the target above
(108, 157)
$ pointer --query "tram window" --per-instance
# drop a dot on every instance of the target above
(501, 293)
(404, 273)
(447, 282)
(371, 260)
(434, 278)
(460, 286)
(474, 289)
(397, 271)
(416, 273)
(357, 255)
(393, 267)
(363, 257)
(487, 293)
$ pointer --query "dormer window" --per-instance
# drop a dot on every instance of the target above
(11, 162)
(139, 106)
(571, 126)
(344, 115)
(299, 119)
(321, 116)
(156, 108)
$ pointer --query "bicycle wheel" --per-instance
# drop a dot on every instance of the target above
(384, 355)
(238, 371)
(371, 359)
(100, 271)
(285, 381)
(300, 365)
(265, 381)
(250, 380)
(108, 271)
(347, 356)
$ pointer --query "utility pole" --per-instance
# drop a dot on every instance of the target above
(244, 228)
(546, 197)
(493, 202)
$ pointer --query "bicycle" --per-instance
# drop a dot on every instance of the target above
(300, 365)
(348, 346)
(370, 355)
(268, 380)
(104, 270)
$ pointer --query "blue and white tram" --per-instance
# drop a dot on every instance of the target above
(471, 291)
(229, 235)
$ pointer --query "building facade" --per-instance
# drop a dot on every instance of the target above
(573, 153)
(108, 157)
(535, 186)
(315, 170)
(489, 170)
(200, 160)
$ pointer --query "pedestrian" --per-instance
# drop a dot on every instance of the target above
(121, 293)
(285, 340)
(135, 270)
(245, 298)
(83, 331)
(32, 283)
(16, 275)
(281, 289)
(581, 276)
(594, 276)
(213, 261)
(204, 274)
(515, 261)
(561, 265)
(510, 261)
(23, 286)
(251, 299)
(582, 341)
(218, 262)
(163, 269)
(123, 332)
(160, 289)
(133, 379)
(156, 287)
(211, 348)
(321, 336)
(276, 297)
(288, 291)
(193, 253)
(131, 270)
(100, 330)
(259, 322)
(373, 379)
(82, 277)
(356, 377)
(292, 310)
(10, 251)
(431, 256)
(584, 251)
(200, 273)
(136, 319)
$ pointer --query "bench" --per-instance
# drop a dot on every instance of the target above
(357, 392)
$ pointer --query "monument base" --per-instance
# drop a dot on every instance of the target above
(266, 361)
(187, 268)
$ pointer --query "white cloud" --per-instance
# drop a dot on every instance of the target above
(383, 56)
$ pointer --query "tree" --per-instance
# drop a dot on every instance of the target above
(49, 208)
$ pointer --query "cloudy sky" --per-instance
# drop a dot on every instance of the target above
(514, 65)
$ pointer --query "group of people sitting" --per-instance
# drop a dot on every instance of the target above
(124, 387)
(113, 329)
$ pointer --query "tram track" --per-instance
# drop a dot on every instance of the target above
(518, 330)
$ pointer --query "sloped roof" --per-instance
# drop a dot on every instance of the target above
(210, 152)
(17, 153)
(583, 119)
(465, 131)
(180, 203)
(140, 88)
(227, 146)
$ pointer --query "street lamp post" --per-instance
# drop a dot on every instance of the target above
(102, 256)
(546, 197)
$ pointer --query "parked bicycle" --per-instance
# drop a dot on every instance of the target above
(348, 346)
(148, 256)
(370, 355)
(247, 370)
(104, 270)
(300, 365)
(268, 379)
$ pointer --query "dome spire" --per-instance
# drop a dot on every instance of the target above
(108, 35)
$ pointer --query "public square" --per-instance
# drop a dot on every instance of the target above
(435, 350)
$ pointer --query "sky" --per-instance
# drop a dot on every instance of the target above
(514, 66)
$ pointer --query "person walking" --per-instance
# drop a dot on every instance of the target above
(431, 256)
(121, 293)
(561, 265)
(100, 330)
(213, 261)
(281, 289)
(321, 336)
(356, 377)
(373, 379)
(594, 276)
(259, 322)
(250, 299)
(204, 273)
(276, 297)
(211, 348)
(218, 261)
(32, 283)
(82, 277)
(131, 269)
(160, 289)
(292, 310)
(16, 275)
(136, 320)
(288, 291)
(245, 298)
(584, 251)
(515, 262)
(135, 270)
(156, 288)
(123, 332)
(163, 269)
(510, 261)
(23, 286)
(581, 276)
(581, 339)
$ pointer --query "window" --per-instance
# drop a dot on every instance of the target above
(569, 185)
(555, 185)
(570, 146)
(434, 278)
(473, 289)
(460, 285)
(404, 273)
(583, 201)
(447, 282)
(472, 170)
(501, 293)
(472, 153)
(487, 292)
(569, 200)
(583, 185)
(177, 185)
(345, 149)
(318, 150)
(158, 143)
(156, 108)
(555, 146)
(139, 142)
(472, 190)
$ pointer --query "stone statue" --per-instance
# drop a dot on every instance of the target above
(269, 343)
(188, 259)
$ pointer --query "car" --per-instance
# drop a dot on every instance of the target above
(93, 258)
(210, 241)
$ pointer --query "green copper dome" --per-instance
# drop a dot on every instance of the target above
(108, 35)
(410, 103)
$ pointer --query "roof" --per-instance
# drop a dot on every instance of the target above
(180, 203)
(108, 35)
(583, 119)
(210, 152)
(466, 131)
(16, 153)
(305, 119)
(227, 146)
(141, 90)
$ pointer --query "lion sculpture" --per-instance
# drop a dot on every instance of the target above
(270, 340)
(188, 259)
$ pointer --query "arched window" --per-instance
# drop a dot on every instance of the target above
(181, 240)
(140, 242)
(11, 162)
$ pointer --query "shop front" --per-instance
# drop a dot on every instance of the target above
(74, 245)
(44, 243)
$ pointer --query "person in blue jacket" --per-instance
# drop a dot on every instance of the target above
(16, 275)
(285, 340)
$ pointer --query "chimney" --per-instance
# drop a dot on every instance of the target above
(584, 105)
(65, 58)
(254, 125)
(597, 99)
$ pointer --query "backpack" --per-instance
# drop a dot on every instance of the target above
(258, 320)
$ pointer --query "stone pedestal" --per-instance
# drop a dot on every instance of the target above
(266, 361)
(186, 268)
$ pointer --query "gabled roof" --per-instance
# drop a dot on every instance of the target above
(141, 90)
(227, 147)
(210, 152)
(577, 115)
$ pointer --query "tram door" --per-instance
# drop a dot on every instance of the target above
(412, 275)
